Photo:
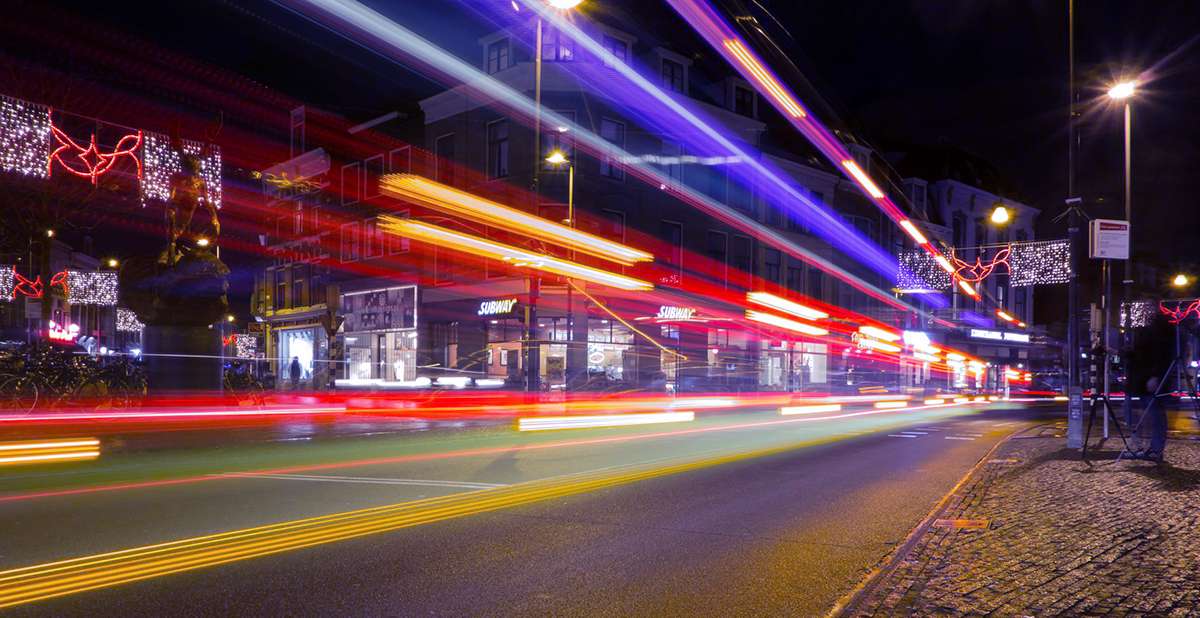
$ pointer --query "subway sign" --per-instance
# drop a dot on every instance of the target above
(497, 307)
(675, 313)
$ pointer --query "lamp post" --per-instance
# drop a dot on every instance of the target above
(558, 158)
(1124, 91)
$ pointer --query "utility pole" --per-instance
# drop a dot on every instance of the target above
(1075, 393)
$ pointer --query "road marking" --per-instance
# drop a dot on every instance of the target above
(923, 433)
(378, 481)
(958, 438)
(899, 435)
(63, 577)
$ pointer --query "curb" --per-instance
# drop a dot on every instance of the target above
(849, 601)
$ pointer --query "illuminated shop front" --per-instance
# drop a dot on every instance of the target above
(380, 334)
(305, 343)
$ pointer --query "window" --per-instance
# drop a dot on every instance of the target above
(350, 242)
(556, 46)
(743, 254)
(614, 225)
(671, 233)
(740, 197)
(795, 280)
(717, 184)
(772, 262)
(672, 161)
(297, 131)
(1022, 236)
(561, 140)
(617, 48)
(397, 243)
(498, 56)
(298, 218)
(614, 133)
(743, 101)
(672, 75)
(773, 216)
(959, 238)
(717, 246)
(1019, 303)
(401, 161)
(864, 225)
(444, 149)
(351, 183)
(373, 169)
(372, 240)
(281, 281)
(497, 149)
(317, 290)
(816, 284)
(299, 281)
(980, 232)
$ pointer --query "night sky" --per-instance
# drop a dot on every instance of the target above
(989, 76)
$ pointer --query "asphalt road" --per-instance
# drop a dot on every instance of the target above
(729, 515)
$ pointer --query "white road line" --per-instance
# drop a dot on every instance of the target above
(899, 435)
(921, 433)
(958, 438)
(376, 481)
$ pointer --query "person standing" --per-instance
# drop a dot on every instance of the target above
(294, 372)
(1148, 365)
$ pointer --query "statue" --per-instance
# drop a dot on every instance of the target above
(188, 190)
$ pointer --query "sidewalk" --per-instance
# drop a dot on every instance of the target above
(1063, 537)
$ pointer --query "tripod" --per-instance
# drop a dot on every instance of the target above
(1183, 378)
(1101, 398)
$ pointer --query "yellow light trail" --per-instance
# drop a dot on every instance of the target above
(460, 203)
(38, 451)
(546, 423)
(862, 178)
(44, 581)
(507, 253)
(785, 305)
(764, 78)
(771, 319)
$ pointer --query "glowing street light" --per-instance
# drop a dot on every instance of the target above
(564, 5)
(49, 233)
(1000, 215)
(556, 158)
(1180, 281)
(112, 262)
(1123, 90)
(203, 242)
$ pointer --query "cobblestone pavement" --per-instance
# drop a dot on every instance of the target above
(1064, 538)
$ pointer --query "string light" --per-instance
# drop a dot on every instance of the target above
(24, 137)
(127, 321)
(92, 287)
(920, 271)
(245, 345)
(6, 282)
(161, 162)
(1040, 263)
(1141, 313)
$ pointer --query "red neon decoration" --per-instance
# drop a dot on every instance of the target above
(57, 333)
(34, 289)
(227, 340)
(95, 163)
(1177, 314)
(27, 287)
(979, 271)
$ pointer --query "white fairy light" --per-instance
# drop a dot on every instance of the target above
(160, 161)
(92, 287)
(24, 137)
(1040, 262)
(127, 321)
(6, 282)
(245, 345)
(919, 271)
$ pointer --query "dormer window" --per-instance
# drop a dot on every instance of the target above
(499, 56)
(743, 101)
(672, 75)
(556, 46)
(618, 48)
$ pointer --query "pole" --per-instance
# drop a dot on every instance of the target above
(533, 383)
(1075, 408)
(572, 367)
(1107, 334)
(1127, 339)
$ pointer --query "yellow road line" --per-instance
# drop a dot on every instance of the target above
(38, 582)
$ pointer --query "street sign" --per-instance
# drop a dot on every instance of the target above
(1109, 239)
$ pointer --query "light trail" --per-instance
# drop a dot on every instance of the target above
(547, 423)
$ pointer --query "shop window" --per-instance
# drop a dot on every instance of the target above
(614, 133)
(497, 149)
(498, 56)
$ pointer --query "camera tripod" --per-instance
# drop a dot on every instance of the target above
(1184, 378)
(1100, 398)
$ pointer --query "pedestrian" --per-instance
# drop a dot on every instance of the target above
(1148, 367)
(294, 372)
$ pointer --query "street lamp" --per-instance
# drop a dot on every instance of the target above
(1000, 215)
(112, 262)
(558, 158)
(1124, 91)
(1180, 281)
(564, 5)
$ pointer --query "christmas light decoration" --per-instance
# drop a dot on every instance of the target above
(161, 162)
(6, 282)
(95, 163)
(1040, 263)
(91, 287)
(1141, 313)
(921, 271)
(245, 345)
(127, 321)
(974, 273)
(24, 137)
(1180, 312)
(26, 287)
